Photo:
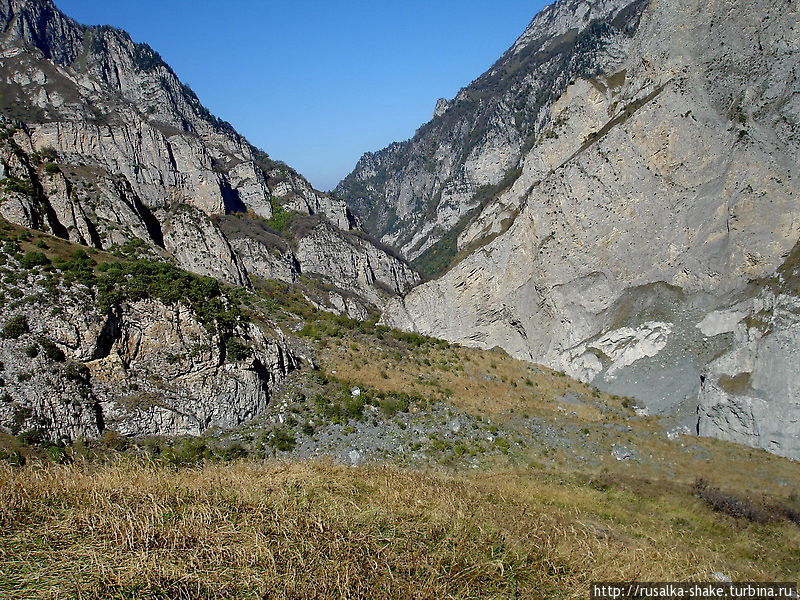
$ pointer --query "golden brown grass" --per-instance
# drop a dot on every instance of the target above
(484, 383)
(316, 530)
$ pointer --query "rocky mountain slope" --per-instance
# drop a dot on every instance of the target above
(91, 343)
(647, 242)
(415, 194)
(102, 144)
(123, 204)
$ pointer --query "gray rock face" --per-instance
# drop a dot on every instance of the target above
(623, 252)
(411, 194)
(351, 272)
(199, 245)
(353, 263)
(624, 453)
(751, 393)
(110, 146)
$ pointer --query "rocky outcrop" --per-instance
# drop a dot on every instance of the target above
(660, 188)
(353, 263)
(103, 144)
(144, 367)
(297, 195)
(197, 241)
(413, 193)
(751, 393)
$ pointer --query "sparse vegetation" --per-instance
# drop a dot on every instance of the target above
(18, 186)
(281, 218)
(236, 349)
(34, 259)
(146, 279)
(282, 439)
(728, 503)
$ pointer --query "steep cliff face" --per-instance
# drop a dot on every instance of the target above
(624, 251)
(414, 194)
(103, 144)
(751, 393)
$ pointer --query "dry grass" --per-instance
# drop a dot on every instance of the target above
(315, 530)
(312, 530)
(483, 383)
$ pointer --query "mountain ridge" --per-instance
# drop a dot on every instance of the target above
(157, 204)
(116, 103)
(411, 193)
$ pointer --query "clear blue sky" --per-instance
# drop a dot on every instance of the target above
(318, 83)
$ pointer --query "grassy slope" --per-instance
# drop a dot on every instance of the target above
(316, 530)
(494, 385)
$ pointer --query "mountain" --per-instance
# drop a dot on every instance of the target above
(104, 144)
(197, 398)
(645, 237)
(123, 205)
(419, 194)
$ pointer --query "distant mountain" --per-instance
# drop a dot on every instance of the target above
(103, 327)
(419, 195)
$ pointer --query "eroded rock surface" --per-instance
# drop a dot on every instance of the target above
(142, 368)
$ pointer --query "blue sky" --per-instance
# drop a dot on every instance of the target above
(316, 84)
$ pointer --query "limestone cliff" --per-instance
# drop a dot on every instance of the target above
(662, 186)
(102, 144)
(138, 348)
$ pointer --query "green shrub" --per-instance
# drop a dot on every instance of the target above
(15, 327)
(32, 437)
(32, 351)
(58, 455)
(51, 351)
(282, 439)
(145, 58)
(236, 349)
(281, 218)
(14, 185)
(146, 279)
(187, 452)
(232, 452)
(34, 259)
(394, 404)
(49, 153)
(502, 444)
(114, 441)
(51, 168)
